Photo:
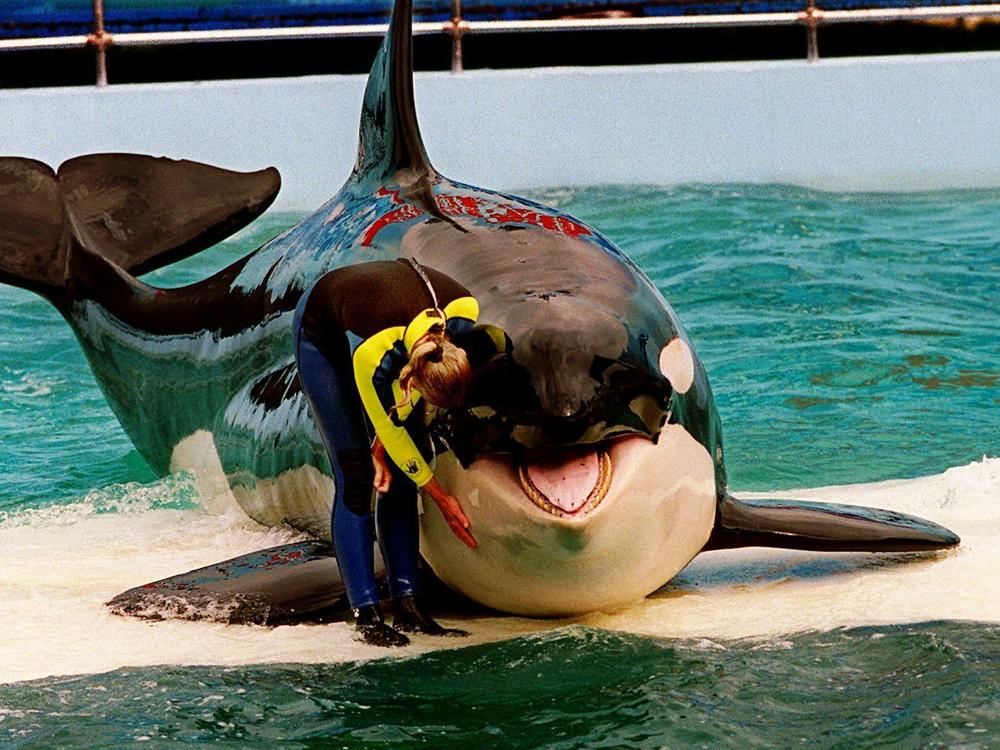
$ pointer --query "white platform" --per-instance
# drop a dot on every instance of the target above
(890, 123)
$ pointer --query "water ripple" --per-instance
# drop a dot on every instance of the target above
(929, 685)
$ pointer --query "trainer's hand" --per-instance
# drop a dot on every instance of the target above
(452, 511)
(383, 477)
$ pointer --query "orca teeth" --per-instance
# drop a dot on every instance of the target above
(597, 494)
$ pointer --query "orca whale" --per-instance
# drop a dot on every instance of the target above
(589, 459)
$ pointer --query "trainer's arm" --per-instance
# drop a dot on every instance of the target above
(397, 441)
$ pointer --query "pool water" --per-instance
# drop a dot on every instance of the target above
(849, 339)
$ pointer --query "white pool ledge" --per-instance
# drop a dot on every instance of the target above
(889, 123)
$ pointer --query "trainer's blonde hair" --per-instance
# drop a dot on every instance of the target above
(438, 369)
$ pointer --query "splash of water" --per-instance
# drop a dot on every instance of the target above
(66, 561)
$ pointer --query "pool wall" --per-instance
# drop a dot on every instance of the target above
(889, 123)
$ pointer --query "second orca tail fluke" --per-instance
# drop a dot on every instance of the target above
(121, 212)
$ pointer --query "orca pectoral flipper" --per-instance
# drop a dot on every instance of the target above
(806, 525)
(292, 583)
(143, 212)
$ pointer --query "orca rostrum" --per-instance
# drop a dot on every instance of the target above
(589, 459)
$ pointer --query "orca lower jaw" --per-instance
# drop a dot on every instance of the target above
(657, 513)
(567, 483)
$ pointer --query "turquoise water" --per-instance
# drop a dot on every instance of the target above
(932, 685)
(848, 338)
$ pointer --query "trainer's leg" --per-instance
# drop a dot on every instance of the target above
(399, 536)
(329, 388)
(336, 408)
(352, 528)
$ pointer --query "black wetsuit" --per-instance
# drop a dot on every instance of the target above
(353, 330)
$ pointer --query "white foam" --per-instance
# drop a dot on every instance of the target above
(26, 385)
(61, 564)
(197, 455)
(765, 592)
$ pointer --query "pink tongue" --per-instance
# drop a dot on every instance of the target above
(566, 480)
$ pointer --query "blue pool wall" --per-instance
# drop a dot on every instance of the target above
(901, 123)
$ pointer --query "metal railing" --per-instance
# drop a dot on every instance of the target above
(811, 18)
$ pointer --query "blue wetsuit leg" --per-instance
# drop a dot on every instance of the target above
(399, 534)
(336, 406)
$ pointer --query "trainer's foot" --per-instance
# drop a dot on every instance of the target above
(410, 617)
(370, 628)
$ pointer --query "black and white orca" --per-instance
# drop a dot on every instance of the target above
(589, 461)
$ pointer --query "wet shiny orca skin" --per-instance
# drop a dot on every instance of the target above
(589, 460)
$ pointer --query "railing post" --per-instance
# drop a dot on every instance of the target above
(456, 36)
(812, 18)
(100, 40)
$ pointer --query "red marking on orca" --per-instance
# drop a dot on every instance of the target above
(394, 194)
(279, 559)
(407, 212)
(459, 205)
(503, 213)
(480, 208)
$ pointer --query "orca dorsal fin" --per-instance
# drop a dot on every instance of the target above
(390, 139)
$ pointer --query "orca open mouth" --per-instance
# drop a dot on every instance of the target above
(568, 483)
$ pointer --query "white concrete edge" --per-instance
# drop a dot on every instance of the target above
(897, 123)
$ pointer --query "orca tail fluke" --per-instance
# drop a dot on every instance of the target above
(143, 212)
(136, 212)
(806, 525)
(34, 245)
